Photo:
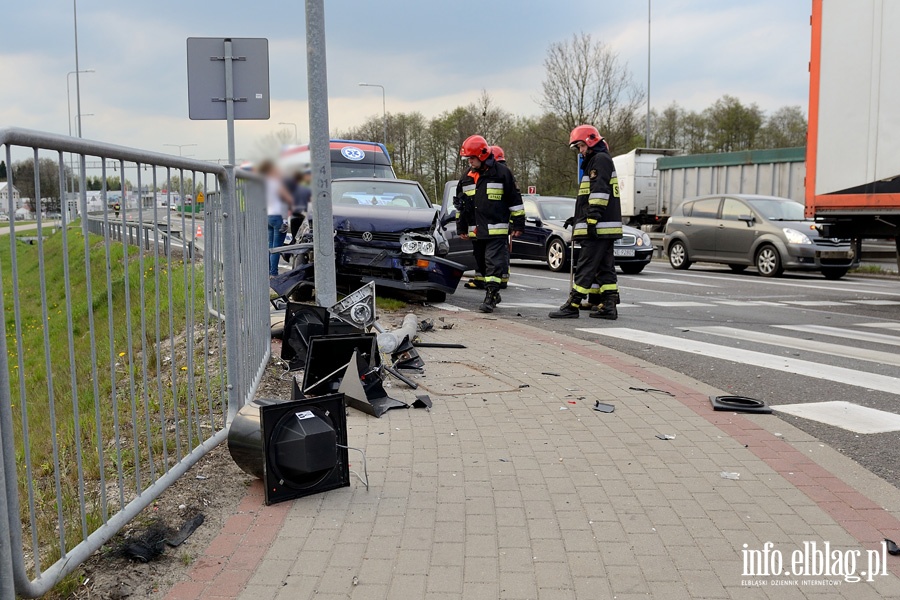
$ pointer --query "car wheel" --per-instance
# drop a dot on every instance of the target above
(630, 269)
(557, 255)
(678, 256)
(768, 261)
(436, 296)
(738, 268)
(834, 272)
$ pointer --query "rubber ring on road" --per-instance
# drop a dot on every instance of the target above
(740, 404)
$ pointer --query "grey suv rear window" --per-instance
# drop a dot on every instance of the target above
(706, 209)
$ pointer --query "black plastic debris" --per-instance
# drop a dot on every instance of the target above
(891, 547)
(426, 325)
(147, 546)
(740, 404)
(436, 345)
(603, 407)
(448, 326)
(650, 390)
(189, 527)
(665, 436)
(551, 374)
(423, 401)
(524, 385)
(406, 356)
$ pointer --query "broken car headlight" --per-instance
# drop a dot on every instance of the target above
(422, 244)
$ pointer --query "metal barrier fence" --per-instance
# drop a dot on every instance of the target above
(121, 362)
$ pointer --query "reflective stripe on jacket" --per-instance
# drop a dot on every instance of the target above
(598, 212)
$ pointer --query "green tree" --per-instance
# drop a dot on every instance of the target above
(48, 180)
(2, 170)
(732, 125)
(785, 128)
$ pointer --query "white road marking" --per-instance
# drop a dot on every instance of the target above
(747, 303)
(876, 356)
(871, 381)
(815, 302)
(525, 305)
(846, 415)
(450, 307)
(880, 325)
(519, 285)
(876, 302)
(863, 336)
(678, 304)
(855, 286)
(676, 281)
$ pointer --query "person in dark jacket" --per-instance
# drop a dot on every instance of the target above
(597, 224)
(477, 282)
(496, 207)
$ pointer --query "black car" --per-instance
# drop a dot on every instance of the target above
(386, 231)
(546, 239)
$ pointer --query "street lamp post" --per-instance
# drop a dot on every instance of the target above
(383, 109)
(69, 111)
(647, 140)
(179, 146)
(296, 137)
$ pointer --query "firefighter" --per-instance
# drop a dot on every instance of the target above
(598, 223)
(116, 208)
(490, 189)
(500, 157)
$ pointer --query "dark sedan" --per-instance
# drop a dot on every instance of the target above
(386, 231)
(546, 239)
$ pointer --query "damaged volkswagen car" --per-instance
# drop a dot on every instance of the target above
(386, 231)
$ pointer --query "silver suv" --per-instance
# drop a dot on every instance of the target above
(740, 230)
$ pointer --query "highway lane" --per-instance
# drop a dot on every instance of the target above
(798, 339)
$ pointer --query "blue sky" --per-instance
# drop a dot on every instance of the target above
(431, 56)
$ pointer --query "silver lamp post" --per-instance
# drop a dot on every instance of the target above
(69, 120)
(296, 137)
(383, 108)
(179, 146)
(647, 141)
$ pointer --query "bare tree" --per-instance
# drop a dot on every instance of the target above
(586, 82)
(269, 146)
(785, 128)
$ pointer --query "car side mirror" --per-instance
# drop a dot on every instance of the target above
(749, 219)
(448, 218)
(536, 221)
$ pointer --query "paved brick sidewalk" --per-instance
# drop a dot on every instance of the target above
(502, 491)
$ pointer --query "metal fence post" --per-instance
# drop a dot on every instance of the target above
(231, 262)
(7, 588)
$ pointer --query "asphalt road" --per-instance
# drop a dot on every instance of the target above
(792, 340)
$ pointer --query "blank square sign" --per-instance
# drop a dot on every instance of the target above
(206, 78)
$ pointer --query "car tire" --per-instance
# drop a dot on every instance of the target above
(768, 261)
(435, 296)
(557, 255)
(631, 269)
(678, 256)
(834, 273)
(737, 268)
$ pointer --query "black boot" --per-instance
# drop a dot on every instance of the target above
(593, 301)
(491, 300)
(607, 310)
(475, 284)
(570, 309)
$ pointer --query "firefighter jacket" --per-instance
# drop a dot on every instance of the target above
(598, 212)
(491, 202)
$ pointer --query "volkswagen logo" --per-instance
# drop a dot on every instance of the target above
(367, 236)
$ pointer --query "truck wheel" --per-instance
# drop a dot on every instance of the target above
(738, 268)
(834, 272)
(678, 256)
(768, 261)
(557, 255)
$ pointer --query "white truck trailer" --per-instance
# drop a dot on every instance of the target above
(638, 184)
(853, 150)
(778, 172)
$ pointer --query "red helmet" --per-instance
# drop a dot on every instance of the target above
(476, 146)
(498, 153)
(587, 134)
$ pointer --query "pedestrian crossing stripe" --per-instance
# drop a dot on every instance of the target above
(876, 302)
(872, 381)
(846, 415)
(747, 335)
(881, 325)
(678, 304)
(814, 303)
(863, 336)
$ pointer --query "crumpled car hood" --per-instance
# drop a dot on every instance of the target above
(384, 220)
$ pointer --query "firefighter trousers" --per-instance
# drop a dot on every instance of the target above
(478, 247)
(596, 264)
(496, 260)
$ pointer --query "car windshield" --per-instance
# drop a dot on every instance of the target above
(342, 170)
(557, 210)
(382, 193)
(779, 210)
